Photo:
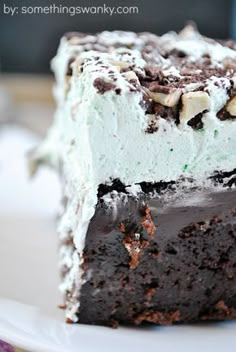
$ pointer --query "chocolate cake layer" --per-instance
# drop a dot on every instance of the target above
(161, 262)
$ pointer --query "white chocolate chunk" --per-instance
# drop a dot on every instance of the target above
(170, 99)
(129, 75)
(231, 106)
(193, 104)
(120, 64)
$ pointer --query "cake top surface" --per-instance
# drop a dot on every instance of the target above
(188, 45)
(188, 55)
(163, 68)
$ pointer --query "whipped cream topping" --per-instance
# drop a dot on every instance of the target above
(99, 135)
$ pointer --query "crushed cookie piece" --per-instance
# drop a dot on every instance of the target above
(118, 91)
(103, 86)
(196, 122)
(152, 123)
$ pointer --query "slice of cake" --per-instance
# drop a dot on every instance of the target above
(144, 139)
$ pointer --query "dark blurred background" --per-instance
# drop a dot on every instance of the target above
(28, 42)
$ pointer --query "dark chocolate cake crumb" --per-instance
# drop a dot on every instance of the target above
(223, 114)
(118, 91)
(116, 185)
(157, 88)
(152, 125)
(196, 122)
(226, 178)
(154, 73)
(147, 104)
(146, 187)
(165, 112)
(158, 187)
(103, 86)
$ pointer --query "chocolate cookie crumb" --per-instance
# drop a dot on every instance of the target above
(103, 86)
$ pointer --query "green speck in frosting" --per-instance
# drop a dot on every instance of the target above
(185, 167)
(216, 132)
(171, 149)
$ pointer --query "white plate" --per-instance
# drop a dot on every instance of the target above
(29, 317)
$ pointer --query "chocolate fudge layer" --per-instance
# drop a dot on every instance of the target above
(161, 263)
(145, 126)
